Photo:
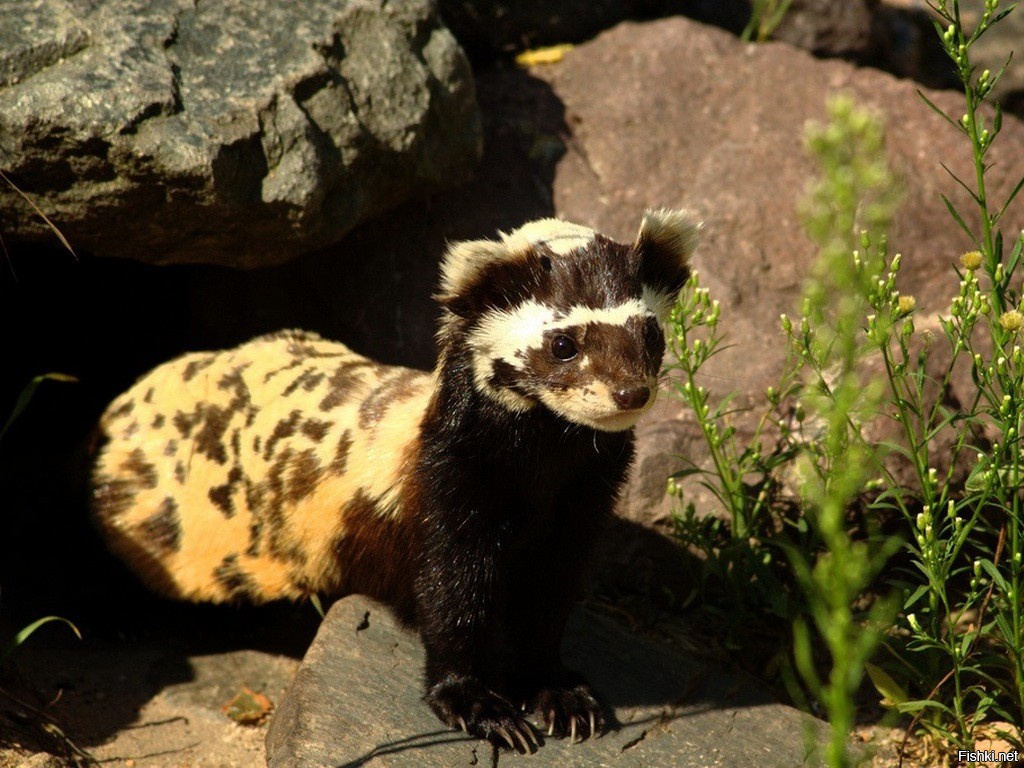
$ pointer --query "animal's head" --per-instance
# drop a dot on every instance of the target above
(558, 315)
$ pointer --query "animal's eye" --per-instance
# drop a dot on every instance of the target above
(545, 263)
(563, 347)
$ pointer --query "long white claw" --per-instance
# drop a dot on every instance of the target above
(522, 740)
(501, 731)
(551, 722)
(592, 724)
(572, 730)
(462, 724)
(533, 737)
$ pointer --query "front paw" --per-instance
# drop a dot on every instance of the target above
(571, 710)
(464, 702)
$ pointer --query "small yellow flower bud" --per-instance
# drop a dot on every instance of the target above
(971, 260)
(1011, 320)
(906, 305)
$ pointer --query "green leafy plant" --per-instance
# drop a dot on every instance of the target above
(945, 486)
(965, 620)
(856, 193)
(740, 571)
(789, 554)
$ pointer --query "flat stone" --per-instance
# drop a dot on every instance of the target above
(357, 700)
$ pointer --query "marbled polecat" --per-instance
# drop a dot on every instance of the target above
(466, 498)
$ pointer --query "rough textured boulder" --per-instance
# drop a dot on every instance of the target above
(357, 700)
(830, 29)
(235, 133)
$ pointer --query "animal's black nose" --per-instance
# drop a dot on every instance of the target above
(631, 399)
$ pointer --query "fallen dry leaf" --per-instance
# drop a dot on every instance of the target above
(248, 707)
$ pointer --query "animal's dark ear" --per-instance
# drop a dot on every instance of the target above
(665, 243)
(464, 274)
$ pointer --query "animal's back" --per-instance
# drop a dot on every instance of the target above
(240, 473)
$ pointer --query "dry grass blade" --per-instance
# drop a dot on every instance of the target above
(43, 216)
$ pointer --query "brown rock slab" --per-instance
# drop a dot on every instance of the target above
(357, 700)
(674, 113)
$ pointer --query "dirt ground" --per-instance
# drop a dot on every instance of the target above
(156, 696)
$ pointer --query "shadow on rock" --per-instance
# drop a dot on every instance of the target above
(107, 321)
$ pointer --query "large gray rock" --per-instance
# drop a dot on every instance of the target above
(357, 699)
(230, 132)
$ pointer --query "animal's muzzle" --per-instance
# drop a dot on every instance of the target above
(631, 399)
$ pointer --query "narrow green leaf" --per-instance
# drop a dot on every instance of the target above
(686, 473)
(917, 594)
(1013, 194)
(891, 692)
(990, 568)
(26, 395)
(25, 633)
(908, 707)
(959, 220)
(999, 16)
(1015, 254)
(961, 182)
(938, 110)
(891, 447)
(966, 642)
